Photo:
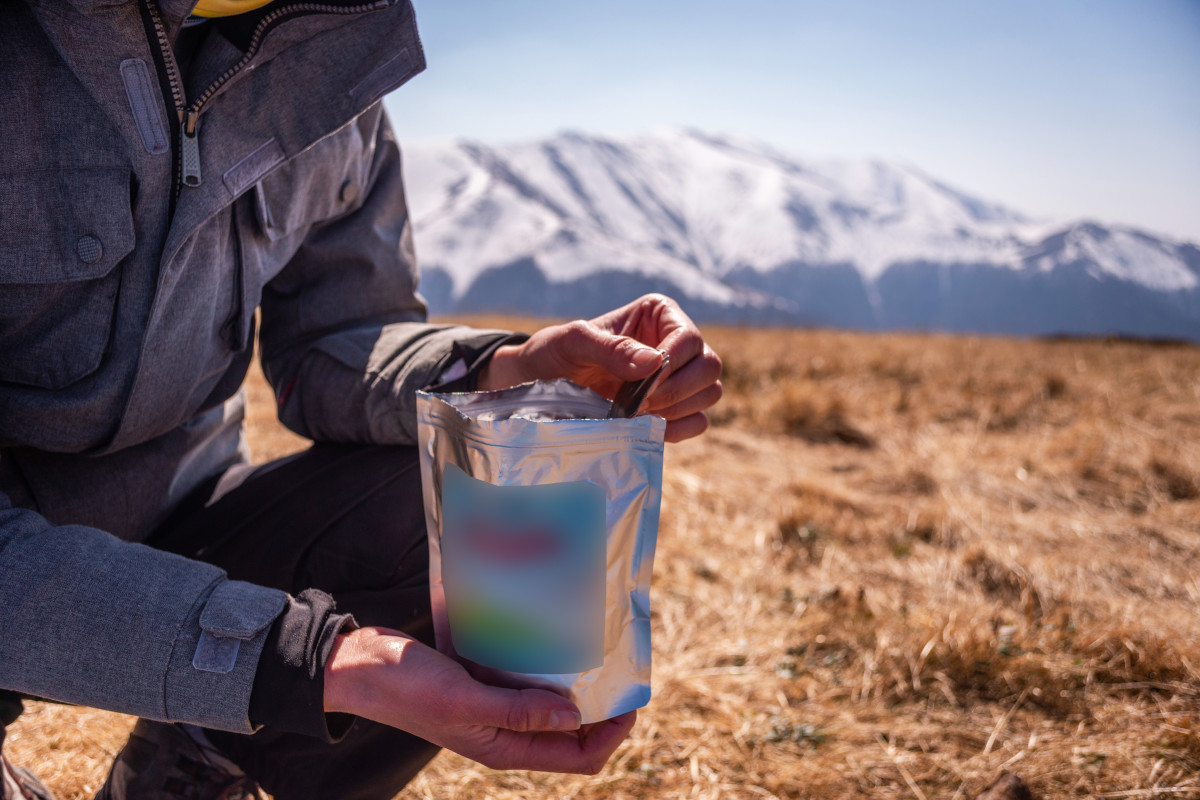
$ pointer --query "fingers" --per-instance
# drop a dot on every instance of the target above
(683, 343)
(683, 398)
(401, 682)
(602, 739)
(687, 427)
(539, 731)
(692, 387)
(701, 401)
(622, 357)
(521, 710)
(585, 752)
(512, 680)
(623, 345)
(588, 354)
(658, 320)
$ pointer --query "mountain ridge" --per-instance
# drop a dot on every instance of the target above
(742, 232)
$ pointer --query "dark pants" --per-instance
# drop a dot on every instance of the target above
(348, 520)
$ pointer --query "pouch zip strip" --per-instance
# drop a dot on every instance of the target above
(549, 405)
(604, 444)
(640, 440)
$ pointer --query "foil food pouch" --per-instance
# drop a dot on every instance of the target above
(543, 518)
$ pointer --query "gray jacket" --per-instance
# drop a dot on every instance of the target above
(127, 314)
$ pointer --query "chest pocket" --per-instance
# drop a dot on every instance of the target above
(62, 235)
(324, 182)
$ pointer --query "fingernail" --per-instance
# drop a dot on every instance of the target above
(646, 356)
(565, 721)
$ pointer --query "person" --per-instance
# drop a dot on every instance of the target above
(178, 180)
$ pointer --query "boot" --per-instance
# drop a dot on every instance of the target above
(18, 783)
(165, 761)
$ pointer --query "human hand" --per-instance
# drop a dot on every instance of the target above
(389, 677)
(621, 346)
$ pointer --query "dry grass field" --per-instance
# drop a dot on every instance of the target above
(895, 567)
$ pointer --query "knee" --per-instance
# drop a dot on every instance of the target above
(373, 536)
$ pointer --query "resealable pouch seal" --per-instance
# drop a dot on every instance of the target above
(543, 519)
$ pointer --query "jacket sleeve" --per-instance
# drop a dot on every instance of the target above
(89, 619)
(345, 341)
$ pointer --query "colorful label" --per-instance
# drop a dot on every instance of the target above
(523, 569)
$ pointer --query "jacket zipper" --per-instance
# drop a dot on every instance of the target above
(187, 158)
(166, 57)
(189, 132)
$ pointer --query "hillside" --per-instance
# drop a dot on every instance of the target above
(896, 566)
(740, 231)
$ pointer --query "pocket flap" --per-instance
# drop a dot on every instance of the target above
(240, 610)
(64, 225)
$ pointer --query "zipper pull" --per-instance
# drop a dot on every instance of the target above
(190, 150)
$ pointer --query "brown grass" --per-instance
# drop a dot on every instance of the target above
(896, 566)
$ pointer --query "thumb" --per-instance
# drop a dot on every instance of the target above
(623, 357)
(525, 710)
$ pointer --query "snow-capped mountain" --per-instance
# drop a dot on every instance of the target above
(738, 231)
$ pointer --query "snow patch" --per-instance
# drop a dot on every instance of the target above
(692, 208)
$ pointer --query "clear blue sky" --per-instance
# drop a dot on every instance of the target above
(1061, 108)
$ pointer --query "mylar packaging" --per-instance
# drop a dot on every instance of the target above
(543, 517)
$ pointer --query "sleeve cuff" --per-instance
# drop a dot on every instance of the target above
(473, 357)
(289, 687)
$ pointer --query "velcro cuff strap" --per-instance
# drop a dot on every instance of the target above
(236, 611)
(240, 610)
